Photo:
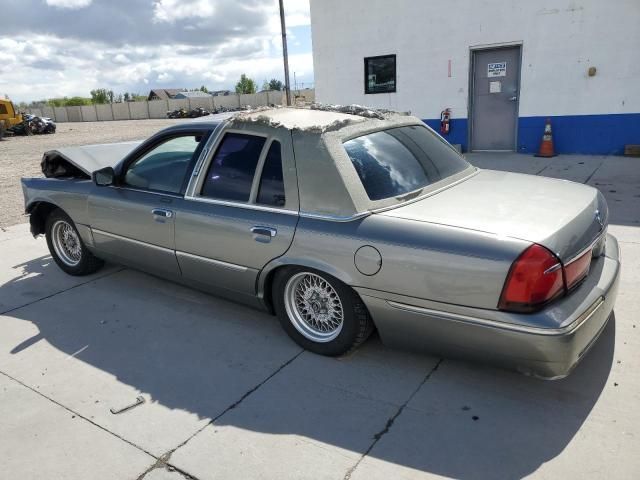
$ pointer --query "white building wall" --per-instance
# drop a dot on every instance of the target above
(560, 40)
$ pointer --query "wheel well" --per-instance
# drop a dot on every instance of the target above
(268, 288)
(38, 213)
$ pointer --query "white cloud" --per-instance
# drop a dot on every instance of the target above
(171, 11)
(145, 53)
(297, 13)
(29, 72)
(70, 4)
(121, 59)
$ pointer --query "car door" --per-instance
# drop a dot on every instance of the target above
(133, 221)
(239, 213)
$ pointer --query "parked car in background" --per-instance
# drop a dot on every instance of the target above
(340, 221)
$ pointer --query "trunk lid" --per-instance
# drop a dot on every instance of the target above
(564, 216)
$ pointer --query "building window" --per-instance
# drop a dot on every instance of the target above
(380, 74)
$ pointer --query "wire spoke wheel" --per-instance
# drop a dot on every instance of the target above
(66, 243)
(314, 307)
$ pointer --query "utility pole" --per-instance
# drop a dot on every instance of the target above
(287, 87)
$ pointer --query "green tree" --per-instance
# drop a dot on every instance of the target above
(56, 102)
(126, 96)
(99, 96)
(204, 89)
(246, 85)
(275, 84)
(76, 101)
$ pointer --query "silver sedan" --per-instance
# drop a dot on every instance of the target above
(342, 222)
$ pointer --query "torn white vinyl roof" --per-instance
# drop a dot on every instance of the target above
(298, 118)
(90, 158)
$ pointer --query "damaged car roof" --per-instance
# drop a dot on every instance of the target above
(298, 118)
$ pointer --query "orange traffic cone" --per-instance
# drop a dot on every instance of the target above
(546, 146)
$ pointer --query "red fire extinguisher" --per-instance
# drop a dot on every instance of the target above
(445, 119)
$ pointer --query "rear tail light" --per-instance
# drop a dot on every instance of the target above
(578, 269)
(535, 278)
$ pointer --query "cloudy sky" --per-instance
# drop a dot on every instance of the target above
(56, 48)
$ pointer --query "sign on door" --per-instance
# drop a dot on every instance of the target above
(498, 69)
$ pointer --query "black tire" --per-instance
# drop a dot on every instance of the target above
(87, 264)
(356, 322)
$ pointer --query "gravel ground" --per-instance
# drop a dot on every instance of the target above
(20, 156)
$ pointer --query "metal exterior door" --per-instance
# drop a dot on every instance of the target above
(494, 102)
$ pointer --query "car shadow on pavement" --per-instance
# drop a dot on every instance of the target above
(193, 352)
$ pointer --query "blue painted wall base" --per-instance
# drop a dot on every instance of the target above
(588, 134)
(457, 131)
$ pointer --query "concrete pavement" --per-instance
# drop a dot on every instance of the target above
(228, 395)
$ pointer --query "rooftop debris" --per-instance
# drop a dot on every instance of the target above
(355, 110)
(359, 110)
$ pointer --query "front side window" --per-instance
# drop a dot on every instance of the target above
(380, 74)
(397, 161)
(271, 189)
(233, 167)
(165, 166)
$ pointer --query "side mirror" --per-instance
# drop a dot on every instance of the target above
(104, 177)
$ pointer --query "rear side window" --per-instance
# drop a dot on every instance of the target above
(233, 167)
(271, 189)
(397, 161)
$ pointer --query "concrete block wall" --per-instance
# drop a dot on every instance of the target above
(120, 111)
(47, 112)
(252, 99)
(60, 114)
(202, 102)
(175, 104)
(74, 114)
(275, 97)
(138, 110)
(89, 113)
(159, 108)
(303, 95)
(229, 101)
(104, 112)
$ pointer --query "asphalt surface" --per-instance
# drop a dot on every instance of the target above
(228, 395)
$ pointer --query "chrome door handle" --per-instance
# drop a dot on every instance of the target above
(268, 231)
(162, 212)
(263, 234)
(513, 99)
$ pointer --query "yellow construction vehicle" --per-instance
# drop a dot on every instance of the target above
(9, 116)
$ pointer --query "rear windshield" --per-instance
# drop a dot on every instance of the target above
(397, 161)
